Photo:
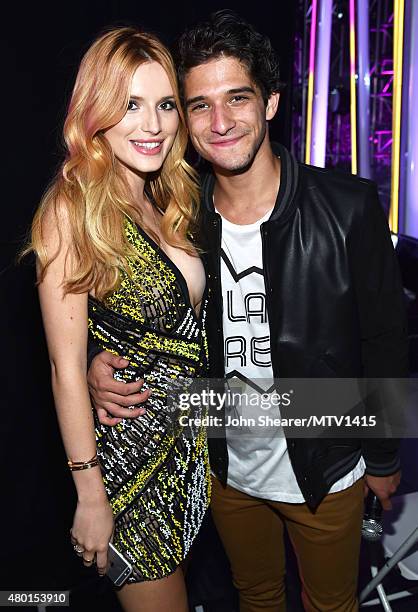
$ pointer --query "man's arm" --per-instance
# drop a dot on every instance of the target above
(383, 333)
(93, 349)
(110, 396)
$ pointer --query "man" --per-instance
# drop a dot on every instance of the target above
(305, 284)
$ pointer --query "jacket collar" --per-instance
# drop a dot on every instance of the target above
(285, 201)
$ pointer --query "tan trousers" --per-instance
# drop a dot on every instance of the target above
(327, 547)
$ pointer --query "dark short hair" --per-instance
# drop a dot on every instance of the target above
(226, 33)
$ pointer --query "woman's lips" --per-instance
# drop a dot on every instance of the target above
(147, 148)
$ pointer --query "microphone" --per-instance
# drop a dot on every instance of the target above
(372, 528)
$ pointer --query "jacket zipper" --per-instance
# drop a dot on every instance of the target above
(267, 286)
(217, 223)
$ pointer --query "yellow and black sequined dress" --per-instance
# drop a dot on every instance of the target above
(156, 473)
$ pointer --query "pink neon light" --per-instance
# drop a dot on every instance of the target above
(352, 31)
(388, 84)
(313, 37)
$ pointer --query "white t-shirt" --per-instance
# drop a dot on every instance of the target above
(259, 461)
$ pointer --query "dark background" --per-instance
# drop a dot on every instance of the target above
(42, 45)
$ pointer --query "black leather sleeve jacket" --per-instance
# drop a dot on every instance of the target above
(335, 305)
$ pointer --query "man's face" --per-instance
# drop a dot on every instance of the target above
(226, 114)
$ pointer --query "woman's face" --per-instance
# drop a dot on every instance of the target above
(144, 136)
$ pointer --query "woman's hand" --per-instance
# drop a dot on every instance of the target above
(92, 531)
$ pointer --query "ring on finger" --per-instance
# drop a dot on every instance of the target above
(78, 549)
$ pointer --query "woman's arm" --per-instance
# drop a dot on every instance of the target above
(65, 323)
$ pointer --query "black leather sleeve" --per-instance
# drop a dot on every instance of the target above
(383, 326)
(93, 349)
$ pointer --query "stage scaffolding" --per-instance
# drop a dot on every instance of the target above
(338, 149)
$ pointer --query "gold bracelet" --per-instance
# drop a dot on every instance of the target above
(76, 466)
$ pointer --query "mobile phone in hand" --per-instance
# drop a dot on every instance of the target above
(119, 569)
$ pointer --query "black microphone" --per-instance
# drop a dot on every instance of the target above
(372, 520)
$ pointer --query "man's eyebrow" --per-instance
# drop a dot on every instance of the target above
(235, 90)
(191, 101)
(246, 89)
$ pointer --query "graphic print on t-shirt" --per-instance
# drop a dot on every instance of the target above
(246, 330)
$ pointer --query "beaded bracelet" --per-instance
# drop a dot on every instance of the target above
(75, 466)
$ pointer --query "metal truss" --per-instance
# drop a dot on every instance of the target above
(338, 152)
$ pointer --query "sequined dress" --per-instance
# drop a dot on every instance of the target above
(155, 471)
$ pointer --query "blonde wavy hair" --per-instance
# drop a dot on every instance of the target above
(90, 183)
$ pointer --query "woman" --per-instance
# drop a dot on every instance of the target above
(115, 261)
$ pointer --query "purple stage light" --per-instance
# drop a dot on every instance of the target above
(311, 74)
(363, 84)
(353, 86)
(321, 84)
(411, 169)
